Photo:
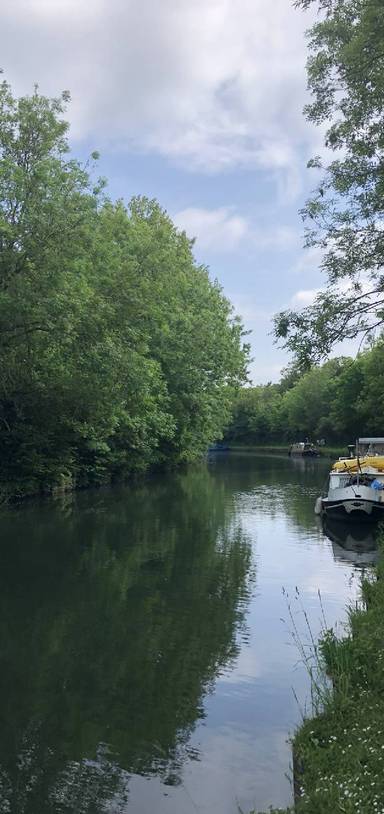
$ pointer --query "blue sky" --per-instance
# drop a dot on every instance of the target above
(199, 104)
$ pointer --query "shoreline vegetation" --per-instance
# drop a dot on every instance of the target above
(326, 451)
(337, 401)
(339, 752)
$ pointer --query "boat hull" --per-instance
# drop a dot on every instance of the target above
(307, 454)
(357, 502)
(358, 508)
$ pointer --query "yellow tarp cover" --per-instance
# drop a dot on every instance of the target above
(351, 465)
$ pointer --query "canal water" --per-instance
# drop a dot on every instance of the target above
(147, 663)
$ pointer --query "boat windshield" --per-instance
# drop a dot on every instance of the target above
(370, 446)
(339, 481)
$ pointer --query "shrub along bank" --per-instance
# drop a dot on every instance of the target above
(339, 754)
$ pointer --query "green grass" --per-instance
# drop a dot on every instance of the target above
(339, 753)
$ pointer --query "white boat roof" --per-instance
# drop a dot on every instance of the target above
(339, 472)
(371, 440)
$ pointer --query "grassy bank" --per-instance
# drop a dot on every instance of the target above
(339, 753)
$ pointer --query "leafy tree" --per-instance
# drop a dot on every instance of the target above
(346, 410)
(117, 352)
(334, 400)
(345, 214)
(306, 406)
(290, 375)
(256, 415)
(47, 214)
(191, 332)
(370, 408)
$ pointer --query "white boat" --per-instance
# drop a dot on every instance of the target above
(356, 485)
(304, 449)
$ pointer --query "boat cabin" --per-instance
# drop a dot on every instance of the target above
(342, 480)
(370, 447)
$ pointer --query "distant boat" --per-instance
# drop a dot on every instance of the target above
(304, 449)
(356, 485)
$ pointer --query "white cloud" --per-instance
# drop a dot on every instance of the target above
(304, 298)
(276, 237)
(260, 373)
(212, 84)
(310, 260)
(246, 669)
(223, 229)
(217, 229)
(250, 310)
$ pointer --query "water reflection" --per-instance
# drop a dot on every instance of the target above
(279, 485)
(303, 464)
(130, 679)
(117, 611)
(351, 541)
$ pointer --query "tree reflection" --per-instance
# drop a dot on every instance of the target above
(118, 609)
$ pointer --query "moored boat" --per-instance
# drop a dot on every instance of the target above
(356, 485)
(304, 449)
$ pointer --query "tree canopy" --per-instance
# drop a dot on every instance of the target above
(117, 350)
(345, 215)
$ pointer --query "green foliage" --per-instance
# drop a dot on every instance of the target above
(117, 352)
(307, 404)
(256, 415)
(345, 214)
(332, 401)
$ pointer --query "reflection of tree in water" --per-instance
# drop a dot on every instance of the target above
(116, 615)
(41, 784)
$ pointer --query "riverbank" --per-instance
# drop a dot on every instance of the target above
(17, 492)
(27, 488)
(339, 754)
(283, 449)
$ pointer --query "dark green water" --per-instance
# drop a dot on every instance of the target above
(144, 663)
